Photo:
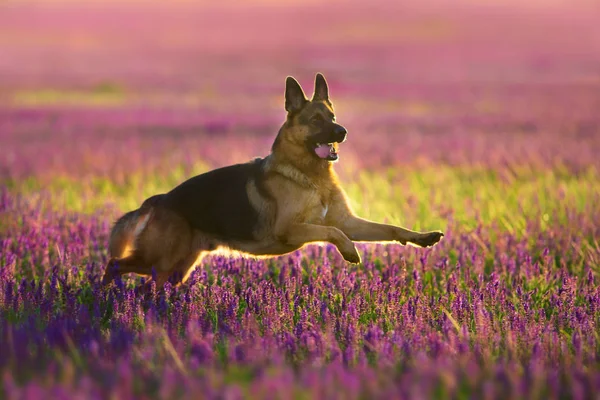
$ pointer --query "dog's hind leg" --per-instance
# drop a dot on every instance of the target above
(180, 271)
(119, 266)
(161, 279)
(185, 267)
(178, 275)
(177, 272)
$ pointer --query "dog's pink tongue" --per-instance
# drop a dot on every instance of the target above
(323, 151)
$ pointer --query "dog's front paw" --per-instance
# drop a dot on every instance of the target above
(351, 255)
(428, 239)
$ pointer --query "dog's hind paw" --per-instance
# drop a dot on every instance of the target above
(110, 273)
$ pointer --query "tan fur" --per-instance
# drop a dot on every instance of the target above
(305, 204)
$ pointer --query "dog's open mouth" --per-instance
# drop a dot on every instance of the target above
(327, 151)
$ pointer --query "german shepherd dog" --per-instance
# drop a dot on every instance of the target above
(266, 207)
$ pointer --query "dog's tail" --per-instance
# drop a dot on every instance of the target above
(128, 227)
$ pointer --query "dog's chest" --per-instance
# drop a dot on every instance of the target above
(316, 210)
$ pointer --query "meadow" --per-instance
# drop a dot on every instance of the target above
(481, 121)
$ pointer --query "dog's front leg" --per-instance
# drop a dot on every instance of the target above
(362, 230)
(299, 234)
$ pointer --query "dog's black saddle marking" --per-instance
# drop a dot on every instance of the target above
(217, 202)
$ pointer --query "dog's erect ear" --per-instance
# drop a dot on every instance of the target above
(321, 89)
(294, 95)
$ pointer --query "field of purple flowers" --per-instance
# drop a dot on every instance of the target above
(481, 121)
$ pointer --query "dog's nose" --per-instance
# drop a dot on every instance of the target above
(340, 133)
(340, 130)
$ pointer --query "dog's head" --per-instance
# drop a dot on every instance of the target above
(310, 124)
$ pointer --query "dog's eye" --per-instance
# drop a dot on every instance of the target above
(316, 120)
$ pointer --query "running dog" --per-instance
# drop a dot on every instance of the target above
(266, 207)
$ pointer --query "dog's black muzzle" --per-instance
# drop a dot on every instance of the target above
(339, 133)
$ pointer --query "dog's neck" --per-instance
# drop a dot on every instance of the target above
(292, 161)
(292, 173)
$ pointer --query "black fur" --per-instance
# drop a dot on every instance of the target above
(217, 203)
